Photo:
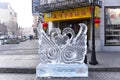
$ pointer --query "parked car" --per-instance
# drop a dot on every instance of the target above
(2, 37)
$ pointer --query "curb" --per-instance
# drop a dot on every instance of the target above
(105, 69)
(33, 70)
(18, 70)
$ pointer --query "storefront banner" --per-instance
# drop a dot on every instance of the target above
(84, 12)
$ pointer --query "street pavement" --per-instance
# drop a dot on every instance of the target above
(106, 60)
(17, 76)
(19, 61)
(19, 52)
(27, 45)
(92, 76)
(25, 55)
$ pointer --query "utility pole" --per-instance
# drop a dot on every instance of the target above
(93, 54)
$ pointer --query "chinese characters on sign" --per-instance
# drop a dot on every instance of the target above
(84, 12)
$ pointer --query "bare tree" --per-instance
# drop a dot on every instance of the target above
(3, 29)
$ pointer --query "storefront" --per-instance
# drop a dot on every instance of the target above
(69, 14)
(71, 17)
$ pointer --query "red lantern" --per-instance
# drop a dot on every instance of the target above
(97, 20)
(45, 25)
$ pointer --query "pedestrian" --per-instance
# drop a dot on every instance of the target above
(30, 37)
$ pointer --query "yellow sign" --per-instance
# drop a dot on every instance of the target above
(77, 13)
(97, 12)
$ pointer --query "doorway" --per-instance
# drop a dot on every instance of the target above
(74, 24)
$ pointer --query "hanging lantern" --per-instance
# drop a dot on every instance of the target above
(45, 25)
(97, 22)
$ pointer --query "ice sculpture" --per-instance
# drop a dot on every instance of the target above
(62, 53)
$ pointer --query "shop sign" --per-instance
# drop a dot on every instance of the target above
(35, 3)
(97, 12)
(84, 12)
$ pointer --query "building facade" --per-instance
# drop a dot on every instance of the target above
(69, 13)
(107, 34)
(9, 17)
(110, 25)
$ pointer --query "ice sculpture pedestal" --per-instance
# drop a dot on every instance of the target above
(61, 70)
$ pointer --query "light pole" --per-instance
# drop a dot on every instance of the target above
(93, 60)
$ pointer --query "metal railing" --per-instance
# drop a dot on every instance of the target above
(61, 5)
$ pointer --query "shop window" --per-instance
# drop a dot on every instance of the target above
(112, 26)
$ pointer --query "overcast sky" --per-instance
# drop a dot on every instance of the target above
(23, 8)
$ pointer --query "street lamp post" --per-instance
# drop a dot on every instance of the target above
(93, 54)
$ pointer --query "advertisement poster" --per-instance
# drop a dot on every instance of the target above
(113, 16)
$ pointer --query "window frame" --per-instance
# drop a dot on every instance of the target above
(112, 7)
